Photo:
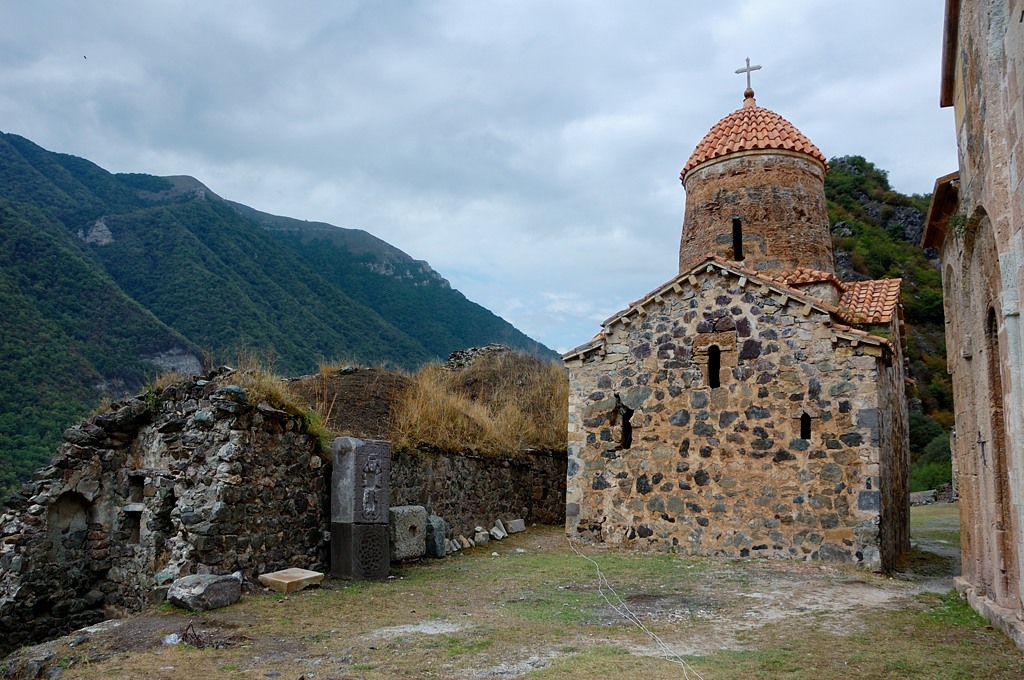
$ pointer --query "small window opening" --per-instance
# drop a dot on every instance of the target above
(133, 522)
(737, 239)
(621, 415)
(714, 366)
(135, 489)
(805, 426)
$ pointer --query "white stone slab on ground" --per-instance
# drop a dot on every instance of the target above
(290, 580)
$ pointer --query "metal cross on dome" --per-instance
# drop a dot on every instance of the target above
(747, 70)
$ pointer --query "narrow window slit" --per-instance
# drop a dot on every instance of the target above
(805, 426)
(714, 366)
(737, 239)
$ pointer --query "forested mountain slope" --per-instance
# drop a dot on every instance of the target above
(106, 279)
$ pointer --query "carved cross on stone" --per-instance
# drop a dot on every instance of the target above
(748, 70)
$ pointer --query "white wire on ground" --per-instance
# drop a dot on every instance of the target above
(624, 611)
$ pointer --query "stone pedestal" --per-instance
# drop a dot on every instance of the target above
(359, 508)
(360, 551)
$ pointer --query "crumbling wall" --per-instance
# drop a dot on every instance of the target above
(197, 479)
(193, 480)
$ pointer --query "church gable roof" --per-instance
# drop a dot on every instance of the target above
(863, 302)
(751, 128)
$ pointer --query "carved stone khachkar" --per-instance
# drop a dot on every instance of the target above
(360, 502)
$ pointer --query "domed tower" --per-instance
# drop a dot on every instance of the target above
(755, 194)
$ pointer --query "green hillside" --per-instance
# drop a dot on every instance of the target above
(876, 232)
(104, 276)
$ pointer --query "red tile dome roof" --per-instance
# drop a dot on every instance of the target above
(751, 128)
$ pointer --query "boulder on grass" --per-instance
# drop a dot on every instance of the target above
(202, 592)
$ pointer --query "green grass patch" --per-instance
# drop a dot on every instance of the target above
(454, 646)
(938, 521)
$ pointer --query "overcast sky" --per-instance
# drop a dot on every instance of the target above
(528, 149)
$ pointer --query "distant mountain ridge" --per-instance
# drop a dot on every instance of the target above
(105, 279)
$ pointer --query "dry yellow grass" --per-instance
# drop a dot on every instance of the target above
(502, 404)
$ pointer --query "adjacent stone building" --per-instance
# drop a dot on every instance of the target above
(754, 404)
(975, 222)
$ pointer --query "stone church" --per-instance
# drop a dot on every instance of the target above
(753, 405)
(976, 222)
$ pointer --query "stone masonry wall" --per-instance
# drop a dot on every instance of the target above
(725, 471)
(193, 480)
(470, 491)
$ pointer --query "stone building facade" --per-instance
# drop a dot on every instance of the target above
(754, 404)
(976, 222)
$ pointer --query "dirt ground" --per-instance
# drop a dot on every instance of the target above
(535, 606)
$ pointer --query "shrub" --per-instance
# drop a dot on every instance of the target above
(937, 450)
(924, 476)
(923, 430)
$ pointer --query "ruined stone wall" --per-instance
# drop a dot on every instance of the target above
(470, 491)
(659, 459)
(196, 479)
(193, 480)
(780, 201)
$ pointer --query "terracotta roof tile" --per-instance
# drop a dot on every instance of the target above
(870, 301)
(751, 128)
(803, 275)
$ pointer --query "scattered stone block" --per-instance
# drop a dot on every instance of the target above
(464, 542)
(290, 580)
(407, 527)
(496, 533)
(481, 538)
(500, 525)
(435, 537)
(514, 526)
(202, 592)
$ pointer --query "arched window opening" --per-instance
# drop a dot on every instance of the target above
(737, 239)
(714, 366)
(805, 426)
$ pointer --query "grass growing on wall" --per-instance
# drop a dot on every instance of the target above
(500, 405)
